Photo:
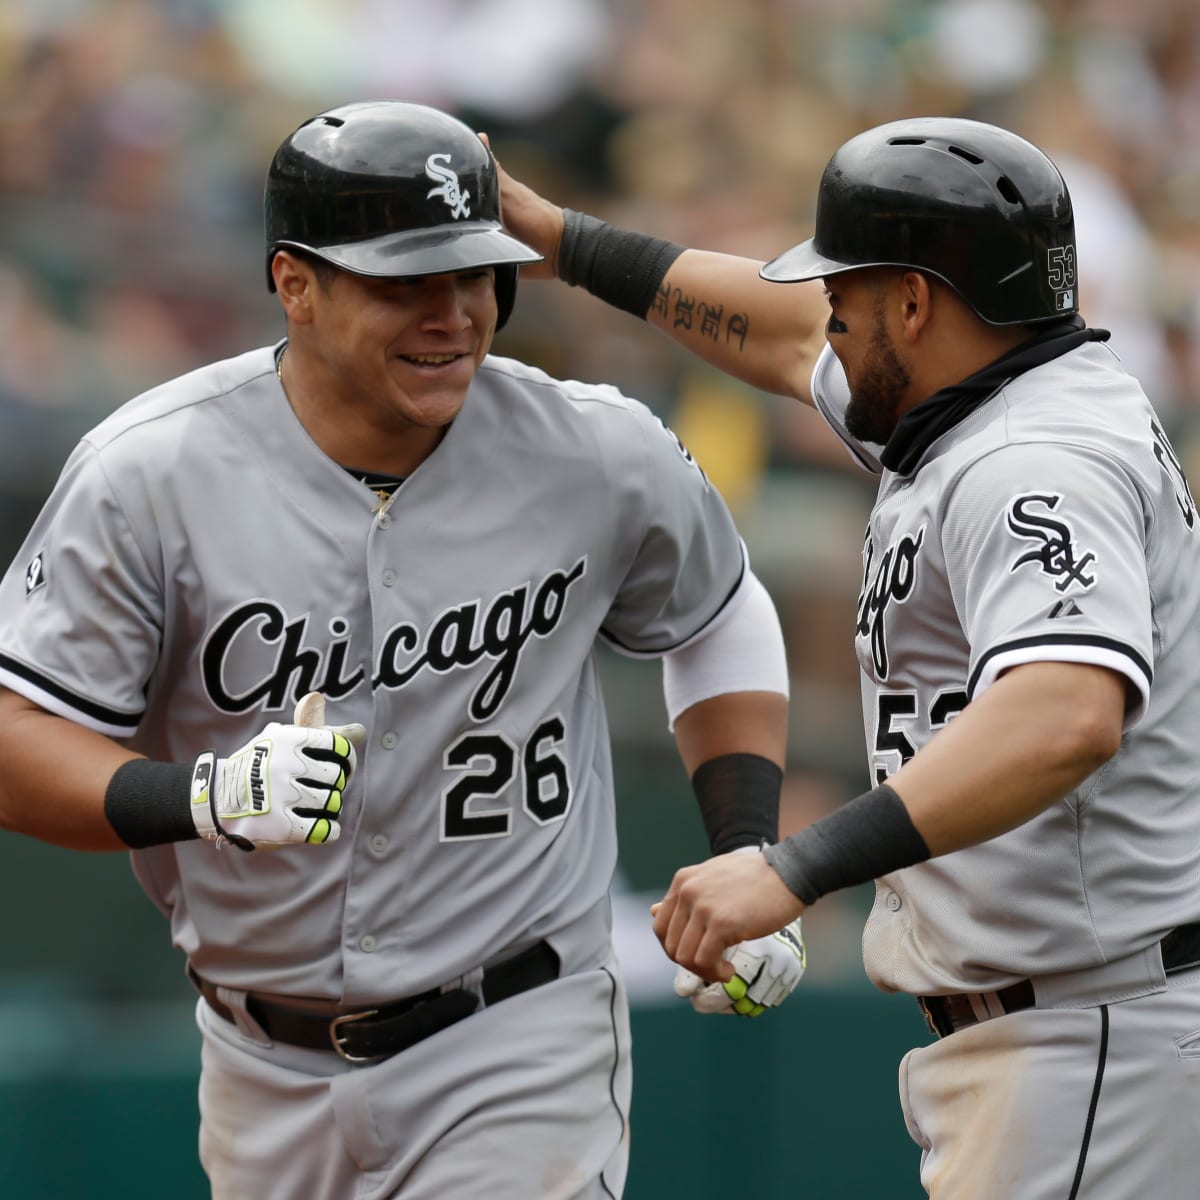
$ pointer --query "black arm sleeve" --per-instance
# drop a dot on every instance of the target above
(738, 796)
(865, 838)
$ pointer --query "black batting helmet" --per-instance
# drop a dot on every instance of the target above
(387, 188)
(975, 205)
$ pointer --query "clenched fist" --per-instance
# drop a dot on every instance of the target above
(766, 970)
(282, 788)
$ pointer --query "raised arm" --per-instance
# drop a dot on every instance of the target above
(714, 305)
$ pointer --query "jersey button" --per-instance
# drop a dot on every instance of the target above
(379, 842)
(388, 740)
(389, 577)
(893, 901)
(366, 943)
(384, 520)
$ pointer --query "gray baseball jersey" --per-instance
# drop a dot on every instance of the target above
(202, 564)
(1052, 523)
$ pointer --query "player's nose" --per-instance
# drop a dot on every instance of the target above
(444, 300)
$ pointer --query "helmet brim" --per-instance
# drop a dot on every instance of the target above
(803, 262)
(424, 251)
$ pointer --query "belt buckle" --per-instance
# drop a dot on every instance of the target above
(928, 1017)
(339, 1043)
(932, 1021)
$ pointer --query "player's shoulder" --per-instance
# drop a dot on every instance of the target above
(1083, 398)
(621, 433)
(596, 401)
(585, 423)
(154, 411)
(1065, 419)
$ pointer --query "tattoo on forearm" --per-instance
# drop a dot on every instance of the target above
(738, 328)
(709, 320)
(685, 307)
(661, 300)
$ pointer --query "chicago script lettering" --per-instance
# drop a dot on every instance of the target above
(458, 638)
(893, 581)
(452, 642)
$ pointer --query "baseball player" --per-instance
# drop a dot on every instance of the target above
(312, 631)
(1028, 632)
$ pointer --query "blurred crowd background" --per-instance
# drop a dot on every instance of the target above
(134, 138)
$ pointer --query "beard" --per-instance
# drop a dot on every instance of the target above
(876, 396)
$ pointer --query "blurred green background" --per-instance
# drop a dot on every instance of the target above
(134, 136)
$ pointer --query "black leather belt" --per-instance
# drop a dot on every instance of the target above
(366, 1035)
(946, 1014)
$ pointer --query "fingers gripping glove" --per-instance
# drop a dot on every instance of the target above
(766, 970)
(282, 788)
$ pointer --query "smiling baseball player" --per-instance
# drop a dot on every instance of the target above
(378, 524)
(1028, 632)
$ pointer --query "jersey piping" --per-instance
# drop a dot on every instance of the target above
(630, 652)
(1071, 639)
(120, 724)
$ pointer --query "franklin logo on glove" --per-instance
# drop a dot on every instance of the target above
(284, 787)
(258, 791)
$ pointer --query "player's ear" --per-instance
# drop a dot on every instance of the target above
(295, 283)
(915, 293)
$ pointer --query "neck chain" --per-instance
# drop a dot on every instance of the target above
(279, 364)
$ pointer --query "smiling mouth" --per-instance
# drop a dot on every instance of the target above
(430, 360)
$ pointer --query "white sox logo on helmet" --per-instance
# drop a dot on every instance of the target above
(1055, 552)
(448, 187)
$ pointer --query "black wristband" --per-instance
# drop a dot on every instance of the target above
(738, 796)
(864, 839)
(621, 268)
(149, 803)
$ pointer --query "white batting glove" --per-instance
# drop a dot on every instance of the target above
(767, 970)
(282, 788)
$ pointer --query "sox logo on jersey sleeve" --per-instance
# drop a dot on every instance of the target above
(1055, 553)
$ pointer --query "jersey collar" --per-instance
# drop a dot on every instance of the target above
(920, 427)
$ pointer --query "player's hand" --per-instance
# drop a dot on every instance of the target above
(766, 971)
(532, 219)
(711, 907)
(282, 788)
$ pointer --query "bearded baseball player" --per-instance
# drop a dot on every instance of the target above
(1028, 633)
(313, 632)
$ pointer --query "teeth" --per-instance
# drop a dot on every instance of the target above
(431, 359)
